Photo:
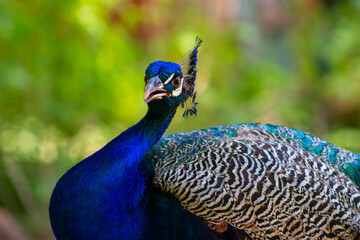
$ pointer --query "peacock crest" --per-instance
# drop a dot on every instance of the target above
(188, 67)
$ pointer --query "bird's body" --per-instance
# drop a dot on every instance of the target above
(236, 181)
(269, 180)
(109, 195)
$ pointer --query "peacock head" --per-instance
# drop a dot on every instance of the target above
(172, 84)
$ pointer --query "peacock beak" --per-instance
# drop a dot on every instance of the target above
(154, 89)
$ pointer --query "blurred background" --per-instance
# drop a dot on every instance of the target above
(71, 79)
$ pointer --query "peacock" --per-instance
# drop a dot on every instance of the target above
(110, 194)
(240, 181)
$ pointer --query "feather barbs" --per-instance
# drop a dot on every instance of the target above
(188, 67)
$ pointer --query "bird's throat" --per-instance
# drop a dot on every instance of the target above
(154, 125)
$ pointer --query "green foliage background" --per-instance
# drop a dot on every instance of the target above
(71, 78)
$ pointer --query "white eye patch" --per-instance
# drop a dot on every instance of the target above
(169, 79)
(177, 91)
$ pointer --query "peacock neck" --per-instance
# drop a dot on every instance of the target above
(154, 124)
(132, 144)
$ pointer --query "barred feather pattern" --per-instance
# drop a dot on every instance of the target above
(266, 179)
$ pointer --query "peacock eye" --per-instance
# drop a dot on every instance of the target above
(145, 79)
(176, 82)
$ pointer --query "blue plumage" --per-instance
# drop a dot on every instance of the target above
(163, 69)
(102, 197)
(105, 190)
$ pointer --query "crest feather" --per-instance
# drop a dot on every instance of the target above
(188, 67)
